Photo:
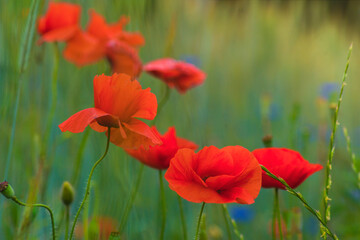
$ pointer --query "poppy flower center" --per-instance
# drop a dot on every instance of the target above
(108, 121)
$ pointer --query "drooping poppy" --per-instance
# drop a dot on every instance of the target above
(107, 40)
(230, 174)
(285, 163)
(119, 102)
(159, 156)
(176, 74)
(60, 23)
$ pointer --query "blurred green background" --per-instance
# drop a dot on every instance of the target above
(273, 67)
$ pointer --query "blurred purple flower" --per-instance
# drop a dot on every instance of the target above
(327, 89)
(275, 111)
(242, 213)
(192, 59)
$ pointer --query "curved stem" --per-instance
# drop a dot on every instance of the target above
(199, 221)
(88, 184)
(183, 223)
(67, 221)
(39, 205)
(277, 211)
(226, 221)
(316, 213)
(163, 207)
(131, 200)
(236, 231)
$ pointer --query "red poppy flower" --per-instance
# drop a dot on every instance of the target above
(213, 175)
(60, 22)
(180, 75)
(285, 163)
(119, 101)
(110, 41)
(159, 156)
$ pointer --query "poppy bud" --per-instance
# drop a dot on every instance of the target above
(267, 140)
(7, 190)
(67, 193)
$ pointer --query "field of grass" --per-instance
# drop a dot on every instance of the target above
(272, 68)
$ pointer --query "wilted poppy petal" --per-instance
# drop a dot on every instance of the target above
(80, 120)
(83, 49)
(180, 75)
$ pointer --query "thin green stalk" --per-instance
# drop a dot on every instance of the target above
(274, 216)
(39, 205)
(278, 213)
(163, 206)
(316, 213)
(87, 191)
(79, 158)
(326, 198)
(183, 223)
(235, 228)
(67, 221)
(226, 222)
(355, 163)
(25, 49)
(131, 200)
(199, 221)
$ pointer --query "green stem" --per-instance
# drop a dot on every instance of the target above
(199, 221)
(326, 198)
(183, 223)
(67, 221)
(235, 228)
(278, 213)
(274, 219)
(354, 164)
(39, 205)
(88, 184)
(226, 221)
(316, 213)
(163, 206)
(131, 200)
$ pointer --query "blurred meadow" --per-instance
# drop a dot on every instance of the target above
(273, 67)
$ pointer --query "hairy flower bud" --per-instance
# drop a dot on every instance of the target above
(7, 190)
(67, 193)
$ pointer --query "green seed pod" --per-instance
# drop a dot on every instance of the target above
(67, 193)
(7, 190)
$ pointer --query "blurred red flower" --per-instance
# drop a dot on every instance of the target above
(159, 156)
(180, 75)
(110, 41)
(119, 101)
(60, 23)
(285, 163)
(99, 228)
(213, 175)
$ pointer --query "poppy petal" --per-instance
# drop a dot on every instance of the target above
(83, 49)
(80, 120)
